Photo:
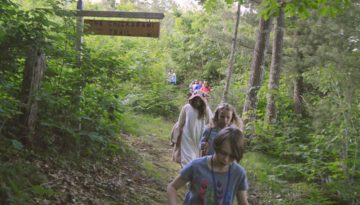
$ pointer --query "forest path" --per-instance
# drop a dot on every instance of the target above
(155, 153)
(137, 177)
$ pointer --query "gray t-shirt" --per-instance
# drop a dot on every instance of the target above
(201, 189)
(209, 136)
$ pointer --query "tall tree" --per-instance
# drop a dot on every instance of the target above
(298, 83)
(256, 70)
(273, 87)
(232, 56)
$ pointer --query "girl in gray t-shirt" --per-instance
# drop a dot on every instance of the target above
(215, 179)
(225, 115)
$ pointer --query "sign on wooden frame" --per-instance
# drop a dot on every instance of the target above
(122, 28)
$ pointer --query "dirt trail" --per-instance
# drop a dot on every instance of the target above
(156, 157)
(139, 178)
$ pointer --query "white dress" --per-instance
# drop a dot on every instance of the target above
(193, 129)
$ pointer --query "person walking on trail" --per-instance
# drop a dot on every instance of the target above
(173, 78)
(198, 86)
(195, 85)
(205, 88)
(215, 179)
(225, 115)
(193, 118)
(169, 75)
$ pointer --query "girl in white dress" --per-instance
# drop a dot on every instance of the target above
(194, 116)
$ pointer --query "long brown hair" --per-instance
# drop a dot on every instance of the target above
(202, 109)
(236, 139)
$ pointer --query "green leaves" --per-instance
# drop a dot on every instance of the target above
(303, 8)
(17, 145)
(210, 5)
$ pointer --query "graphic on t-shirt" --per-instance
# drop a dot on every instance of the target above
(202, 191)
(219, 192)
(206, 194)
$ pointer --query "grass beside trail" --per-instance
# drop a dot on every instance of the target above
(266, 187)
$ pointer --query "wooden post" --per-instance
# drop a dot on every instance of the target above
(32, 76)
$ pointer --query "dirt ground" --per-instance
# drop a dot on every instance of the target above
(138, 179)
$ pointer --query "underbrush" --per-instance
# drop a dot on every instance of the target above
(29, 175)
(20, 179)
(270, 188)
(141, 125)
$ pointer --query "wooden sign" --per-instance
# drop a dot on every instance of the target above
(122, 28)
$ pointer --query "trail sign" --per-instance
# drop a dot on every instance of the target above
(122, 28)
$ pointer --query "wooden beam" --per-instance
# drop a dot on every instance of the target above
(121, 14)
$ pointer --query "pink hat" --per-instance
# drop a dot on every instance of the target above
(197, 94)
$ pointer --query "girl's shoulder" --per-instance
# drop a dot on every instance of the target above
(238, 168)
(200, 160)
(213, 129)
(187, 106)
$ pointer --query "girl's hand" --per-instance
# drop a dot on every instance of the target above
(204, 146)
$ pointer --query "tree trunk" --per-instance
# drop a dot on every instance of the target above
(78, 44)
(257, 71)
(298, 94)
(79, 33)
(275, 69)
(232, 56)
(33, 73)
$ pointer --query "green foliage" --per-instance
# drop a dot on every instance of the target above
(8, 107)
(210, 5)
(159, 101)
(141, 125)
(271, 187)
(120, 87)
(20, 180)
(303, 9)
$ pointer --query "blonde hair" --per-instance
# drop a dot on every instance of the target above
(235, 119)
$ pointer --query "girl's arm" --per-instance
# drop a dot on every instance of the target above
(242, 198)
(172, 188)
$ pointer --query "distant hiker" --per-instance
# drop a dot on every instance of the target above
(215, 179)
(173, 78)
(205, 88)
(169, 75)
(192, 120)
(198, 86)
(194, 86)
(224, 116)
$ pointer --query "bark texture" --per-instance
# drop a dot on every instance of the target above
(32, 76)
(275, 68)
(257, 71)
(298, 94)
(232, 56)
